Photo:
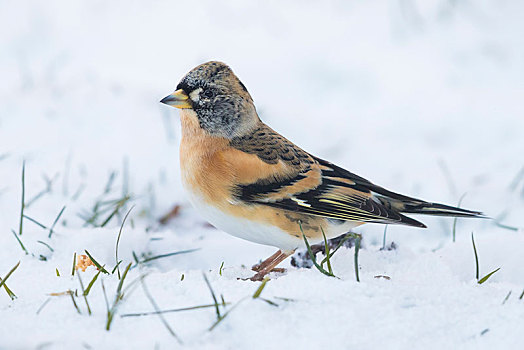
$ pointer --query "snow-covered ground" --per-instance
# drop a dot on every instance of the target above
(422, 97)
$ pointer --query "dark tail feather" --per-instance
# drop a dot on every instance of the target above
(440, 210)
(406, 220)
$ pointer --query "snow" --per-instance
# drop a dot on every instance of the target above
(422, 97)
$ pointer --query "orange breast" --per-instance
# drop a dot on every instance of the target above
(211, 169)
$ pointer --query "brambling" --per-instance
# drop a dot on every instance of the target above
(251, 182)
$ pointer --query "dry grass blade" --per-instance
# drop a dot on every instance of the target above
(173, 213)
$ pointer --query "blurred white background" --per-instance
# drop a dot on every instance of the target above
(422, 97)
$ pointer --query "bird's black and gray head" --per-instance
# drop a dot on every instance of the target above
(220, 101)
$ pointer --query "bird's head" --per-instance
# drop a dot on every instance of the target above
(213, 94)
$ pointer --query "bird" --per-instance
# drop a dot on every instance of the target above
(251, 182)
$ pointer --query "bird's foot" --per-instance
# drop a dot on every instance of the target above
(269, 265)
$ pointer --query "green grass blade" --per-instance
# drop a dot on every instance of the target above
(121, 283)
(455, 219)
(43, 305)
(98, 266)
(507, 227)
(20, 242)
(74, 301)
(506, 298)
(35, 222)
(339, 245)
(189, 308)
(357, 249)
(217, 308)
(477, 273)
(326, 246)
(9, 291)
(47, 245)
(260, 288)
(90, 285)
(4, 280)
(384, 238)
(225, 315)
(118, 240)
(168, 255)
(485, 278)
(22, 205)
(312, 256)
(55, 222)
(118, 297)
(84, 294)
(109, 183)
(160, 316)
(115, 268)
(74, 265)
(120, 203)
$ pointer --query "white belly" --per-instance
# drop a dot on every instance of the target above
(243, 228)
(255, 231)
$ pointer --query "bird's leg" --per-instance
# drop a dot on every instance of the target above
(259, 276)
(266, 262)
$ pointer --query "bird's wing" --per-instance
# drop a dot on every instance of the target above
(309, 185)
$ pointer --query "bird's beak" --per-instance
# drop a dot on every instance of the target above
(178, 99)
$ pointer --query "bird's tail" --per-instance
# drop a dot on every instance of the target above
(439, 209)
(410, 205)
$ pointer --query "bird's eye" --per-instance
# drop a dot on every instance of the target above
(208, 93)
